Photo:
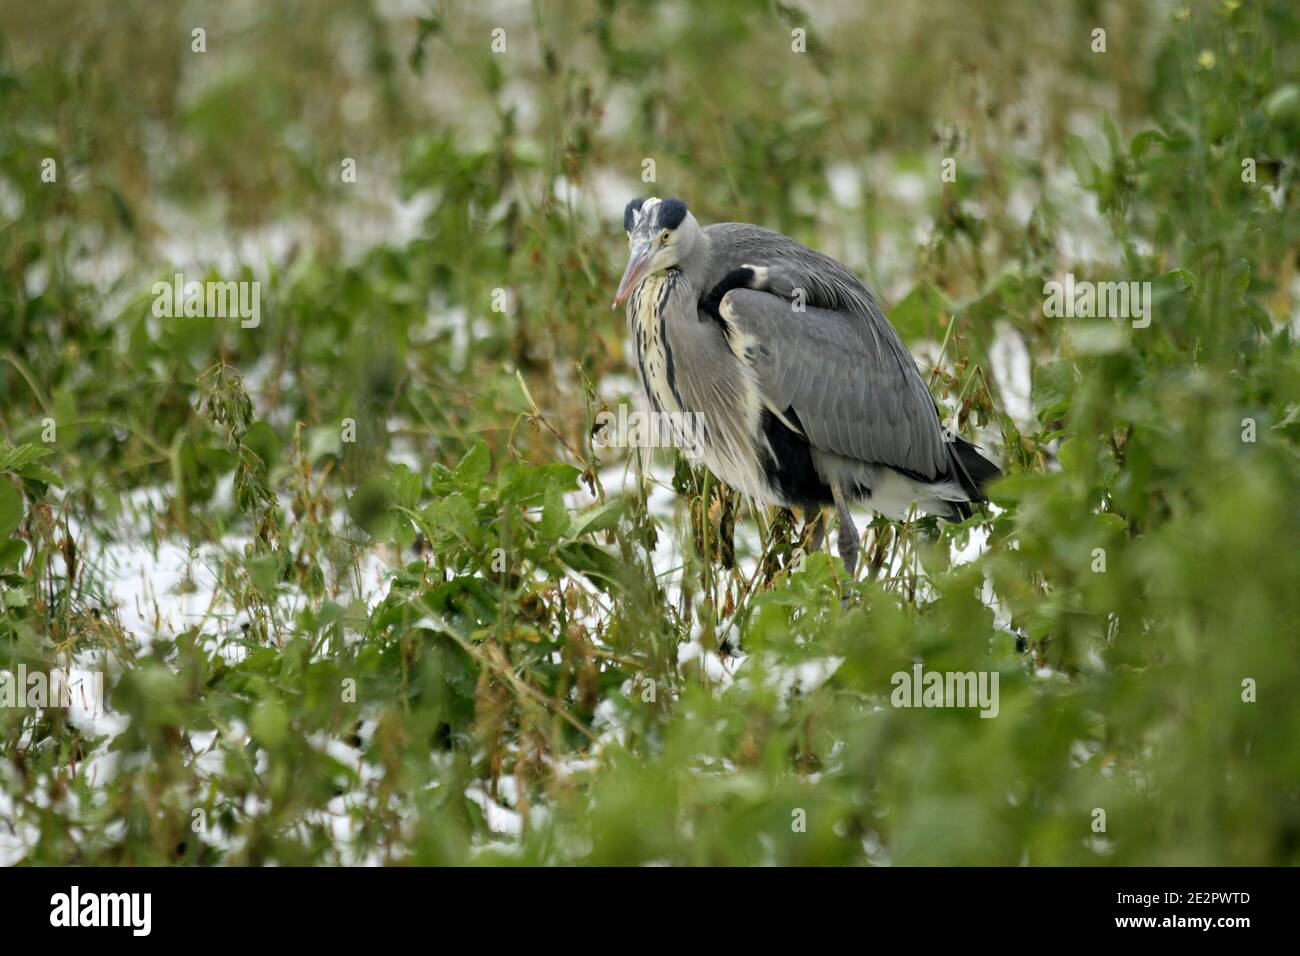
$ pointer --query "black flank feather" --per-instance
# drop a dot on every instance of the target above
(790, 468)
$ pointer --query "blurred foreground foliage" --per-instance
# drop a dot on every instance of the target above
(528, 684)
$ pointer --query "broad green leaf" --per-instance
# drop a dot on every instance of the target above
(473, 468)
(11, 507)
(526, 484)
(555, 519)
(600, 518)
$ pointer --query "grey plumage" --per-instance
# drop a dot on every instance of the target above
(808, 395)
(851, 396)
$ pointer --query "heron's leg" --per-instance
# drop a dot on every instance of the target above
(848, 533)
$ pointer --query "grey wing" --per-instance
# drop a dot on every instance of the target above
(825, 282)
(848, 392)
(816, 278)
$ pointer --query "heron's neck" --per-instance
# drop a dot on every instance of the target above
(695, 265)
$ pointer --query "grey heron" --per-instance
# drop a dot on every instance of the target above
(805, 394)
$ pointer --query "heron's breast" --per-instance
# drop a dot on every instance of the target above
(727, 401)
(654, 352)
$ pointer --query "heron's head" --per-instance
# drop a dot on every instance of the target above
(661, 235)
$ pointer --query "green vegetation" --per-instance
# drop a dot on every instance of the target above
(364, 590)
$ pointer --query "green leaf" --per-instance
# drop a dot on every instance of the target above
(11, 507)
(11, 598)
(1143, 141)
(1111, 521)
(405, 485)
(918, 314)
(270, 724)
(1014, 488)
(14, 458)
(600, 518)
(370, 507)
(555, 518)
(473, 468)
(1053, 386)
(1069, 453)
(453, 518)
(600, 567)
(11, 552)
(264, 572)
(525, 484)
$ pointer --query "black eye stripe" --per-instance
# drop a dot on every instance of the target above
(629, 213)
(670, 213)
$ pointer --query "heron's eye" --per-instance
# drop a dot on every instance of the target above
(663, 236)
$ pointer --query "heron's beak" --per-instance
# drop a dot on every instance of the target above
(638, 264)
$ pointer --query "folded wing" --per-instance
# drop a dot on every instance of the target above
(827, 377)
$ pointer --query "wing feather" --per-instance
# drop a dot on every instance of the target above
(849, 391)
(840, 364)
